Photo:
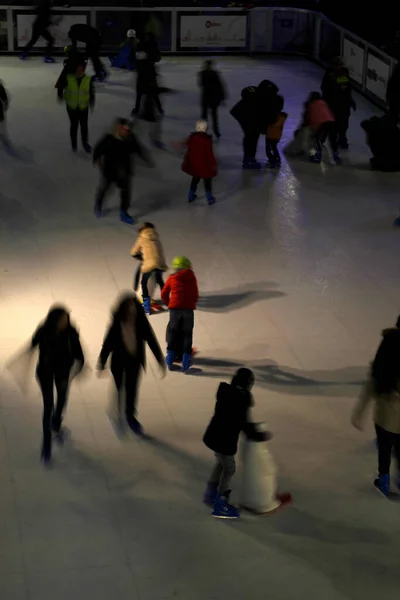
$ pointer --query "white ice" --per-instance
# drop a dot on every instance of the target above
(298, 272)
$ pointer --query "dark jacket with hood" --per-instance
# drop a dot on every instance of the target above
(116, 155)
(258, 108)
(57, 351)
(80, 32)
(231, 417)
(212, 88)
(336, 91)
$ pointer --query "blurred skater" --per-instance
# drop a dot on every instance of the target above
(383, 389)
(40, 28)
(147, 55)
(199, 162)
(321, 121)
(336, 91)
(113, 154)
(231, 417)
(212, 94)
(80, 32)
(77, 90)
(4, 103)
(125, 340)
(59, 349)
(148, 247)
(273, 137)
(126, 57)
(180, 294)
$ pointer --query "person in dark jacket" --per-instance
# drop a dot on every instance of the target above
(336, 91)
(393, 93)
(383, 139)
(113, 153)
(231, 417)
(199, 162)
(212, 94)
(125, 340)
(80, 32)
(59, 349)
(180, 293)
(147, 55)
(40, 28)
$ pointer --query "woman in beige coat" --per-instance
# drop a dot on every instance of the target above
(149, 251)
(383, 389)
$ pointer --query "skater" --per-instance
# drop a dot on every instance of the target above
(383, 139)
(125, 340)
(80, 32)
(199, 161)
(383, 388)
(180, 293)
(272, 138)
(72, 60)
(321, 121)
(126, 57)
(212, 94)
(59, 349)
(78, 92)
(4, 102)
(150, 250)
(40, 28)
(113, 154)
(336, 91)
(147, 55)
(231, 417)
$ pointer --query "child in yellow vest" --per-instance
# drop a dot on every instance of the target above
(77, 91)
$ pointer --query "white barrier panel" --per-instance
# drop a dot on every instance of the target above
(212, 32)
(59, 29)
(353, 56)
(378, 73)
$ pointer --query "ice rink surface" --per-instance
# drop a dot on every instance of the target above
(298, 271)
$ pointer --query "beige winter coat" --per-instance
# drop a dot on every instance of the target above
(149, 246)
(386, 410)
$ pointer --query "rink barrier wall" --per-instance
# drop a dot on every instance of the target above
(263, 30)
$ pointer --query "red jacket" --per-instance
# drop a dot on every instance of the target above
(180, 290)
(318, 113)
(199, 160)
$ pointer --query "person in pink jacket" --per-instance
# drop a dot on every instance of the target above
(320, 119)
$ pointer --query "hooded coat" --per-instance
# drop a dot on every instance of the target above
(149, 246)
(199, 160)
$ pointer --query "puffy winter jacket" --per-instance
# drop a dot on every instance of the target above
(199, 160)
(180, 290)
(318, 113)
(149, 246)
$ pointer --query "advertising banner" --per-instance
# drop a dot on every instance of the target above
(378, 73)
(353, 56)
(59, 28)
(213, 31)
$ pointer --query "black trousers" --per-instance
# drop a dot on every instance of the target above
(205, 107)
(52, 419)
(136, 279)
(272, 152)
(180, 330)
(138, 103)
(126, 380)
(342, 125)
(124, 184)
(327, 131)
(78, 118)
(250, 142)
(39, 31)
(386, 443)
(207, 184)
(145, 280)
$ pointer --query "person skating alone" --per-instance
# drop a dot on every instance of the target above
(180, 293)
(383, 389)
(199, 162)
(148, 247)
(212, 94)
(40, 28)
(336, 91)
(77, 90)
(81, 32)
(59, 349)
(114, 155)
(125, 341)
(321, 121)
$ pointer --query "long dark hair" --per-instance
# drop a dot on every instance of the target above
(121, 311)
(53, 317)
(386, 366)
(243, 378)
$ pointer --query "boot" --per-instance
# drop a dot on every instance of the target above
(134, 425)
(23, 55)
(87, 147)
(170, 359)
(46, 450)
(337, 158)
(382, 484)
(126, 218)
(251, 163)
(224, 510)
(49, 59)
(210, 198)
(210, 494)
(192, 195)
(147, 306)
(186, 362)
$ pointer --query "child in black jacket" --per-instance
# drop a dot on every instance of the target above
(231, 417)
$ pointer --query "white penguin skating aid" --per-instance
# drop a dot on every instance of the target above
(259, 486)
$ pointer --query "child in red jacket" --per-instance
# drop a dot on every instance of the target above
(320, 119)
(180, 293)
(199, 161)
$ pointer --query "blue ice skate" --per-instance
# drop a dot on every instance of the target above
(170, 359)
(382, 484)
(210, 199)
(191, 195)
(147, 305)
(224, 510)
(125, 218)
(186, 362)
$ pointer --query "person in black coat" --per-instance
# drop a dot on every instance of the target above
(383, 139)
(40, 28)
(125, 340)
(113, 154)
(212, 94)
(231, 417)
(147, 55)
(59, 349)
(336, 91)
(80, 32)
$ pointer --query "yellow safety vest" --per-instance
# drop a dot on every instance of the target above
(77, 96)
